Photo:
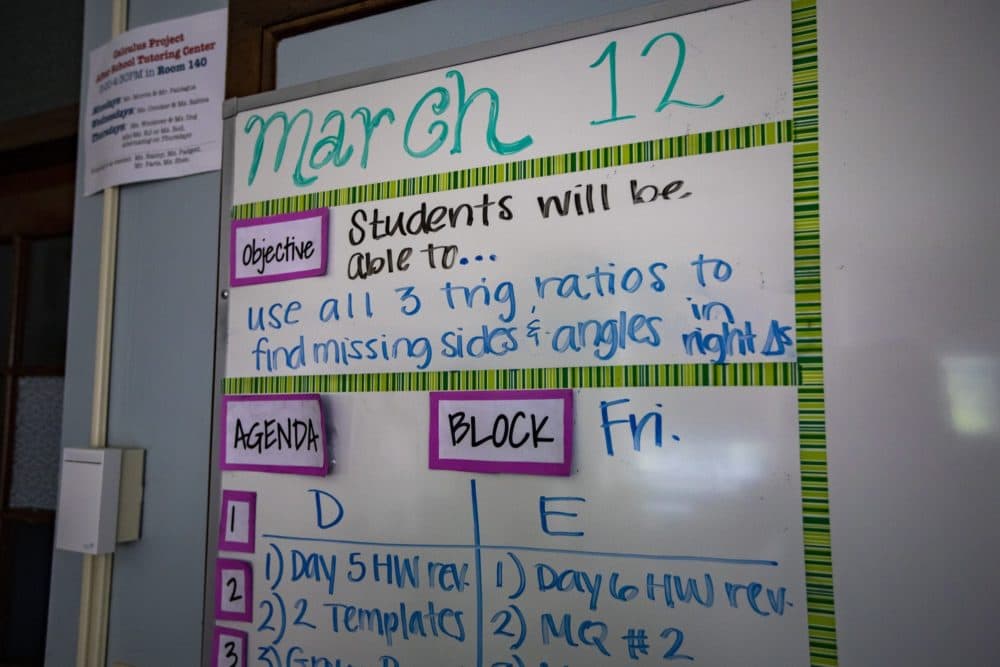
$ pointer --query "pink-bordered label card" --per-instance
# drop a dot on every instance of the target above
(528, 432)
(279, 433)
(279, 247)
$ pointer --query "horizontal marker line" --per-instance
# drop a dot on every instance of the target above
(548, 550)
(366, 543)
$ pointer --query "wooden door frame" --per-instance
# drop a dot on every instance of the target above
(37, 181)
(256, 27)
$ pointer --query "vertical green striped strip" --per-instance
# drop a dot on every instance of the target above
(776, 374)
(809, 332)
(715, 141)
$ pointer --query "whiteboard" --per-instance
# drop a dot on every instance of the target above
(542, 220)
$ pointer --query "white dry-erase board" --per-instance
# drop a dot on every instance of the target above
(520, 357)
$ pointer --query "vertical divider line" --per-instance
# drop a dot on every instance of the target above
(479, 573)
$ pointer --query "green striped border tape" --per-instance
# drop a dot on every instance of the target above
(809, 333)
(715, 141)
(774, 374)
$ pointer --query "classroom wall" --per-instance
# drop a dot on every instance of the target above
(64, 595)
(910, 233)
(161, 388)
(383, 39)
(911, 330)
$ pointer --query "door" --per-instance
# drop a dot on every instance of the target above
(36, 197)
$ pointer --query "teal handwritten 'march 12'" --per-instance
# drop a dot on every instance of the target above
(492, 109)
(333, 144)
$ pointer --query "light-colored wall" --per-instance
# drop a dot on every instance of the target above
(64, 596)
(909, 234)
(424, 29)
(161, 388)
